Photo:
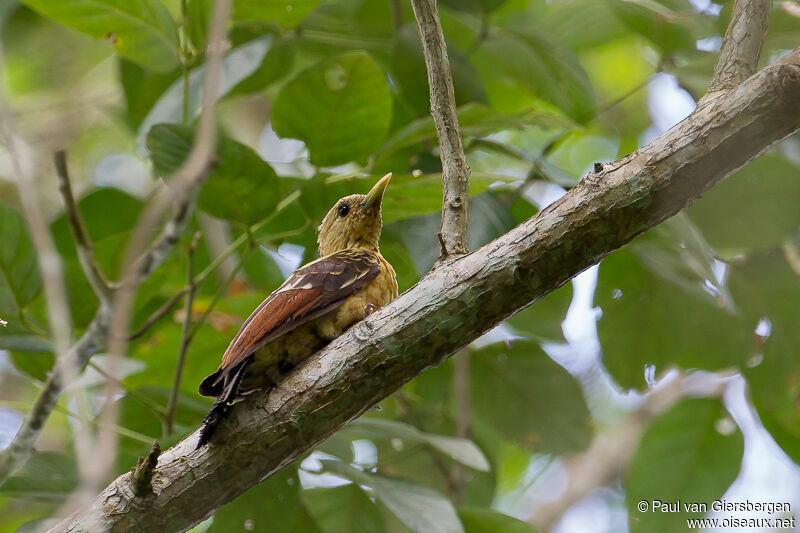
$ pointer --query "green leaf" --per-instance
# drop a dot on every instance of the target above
(19, 273)
(141, 30)
(344, 508)
(242, 187)
(45, 476)
(272, 505)
(518, 392)
(462, 450)
(421, 509)
(766, 288)
(409, 71)
(683, 458)
(479, 520)
(545, 69)
(684, 326)
(285, 13)
(753, 209)
(240, 63)
(475, 120)
(341, 108)
(655, 21)
(36, 364)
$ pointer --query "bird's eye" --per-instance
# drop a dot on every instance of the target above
(344, 209)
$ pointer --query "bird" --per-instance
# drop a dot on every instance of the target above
(315, 304)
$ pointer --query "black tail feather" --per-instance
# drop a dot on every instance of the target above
(222, 407)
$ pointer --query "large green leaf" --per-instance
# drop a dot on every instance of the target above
(272, 505)
(654, 317)
(545, 69)
(341, 108)
(690, 454)
(657, 21)
(242, 187)
(479, 520)
(240, 63)
(141, 30)
(462, 450)
(343, 508)
(767, 290)
(409, 71)
(19, 274)
(421, 509)
(755, 208)
(521, 394)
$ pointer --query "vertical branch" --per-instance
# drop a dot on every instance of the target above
(184, 185)
(397, 13)
(56, 301)
(461, 393)
(109, 324)
(455, 172)
(191, 289)
(741, 46)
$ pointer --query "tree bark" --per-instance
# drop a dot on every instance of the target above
(741, 47)
(456, 303)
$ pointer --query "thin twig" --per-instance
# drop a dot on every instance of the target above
(147, 402)
(91, 268)
(741, 46)
(461, 394)
(191, 289)
(217, 297)
(455, 172)
(397, 13)
(157, 315)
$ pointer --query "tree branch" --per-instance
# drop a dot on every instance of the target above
(455, 172)
(741, 47)
(612, 451)
(450, 307)
(101, 286)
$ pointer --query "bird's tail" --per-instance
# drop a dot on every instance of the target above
(222, 407)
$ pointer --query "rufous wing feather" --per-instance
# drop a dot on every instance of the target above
(310, 292)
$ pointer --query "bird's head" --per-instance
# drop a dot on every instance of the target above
(354, 221)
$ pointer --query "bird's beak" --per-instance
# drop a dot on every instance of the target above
(375, 195)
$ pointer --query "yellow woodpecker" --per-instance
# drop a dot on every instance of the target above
(318, 302)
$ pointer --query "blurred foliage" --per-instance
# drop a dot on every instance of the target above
(317, 100)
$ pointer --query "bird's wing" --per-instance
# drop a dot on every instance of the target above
(311, 291)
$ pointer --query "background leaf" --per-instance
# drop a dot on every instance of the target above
(683, 457)
(340, 108)
(141, 30)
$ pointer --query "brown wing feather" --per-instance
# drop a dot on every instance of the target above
(311, 291)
